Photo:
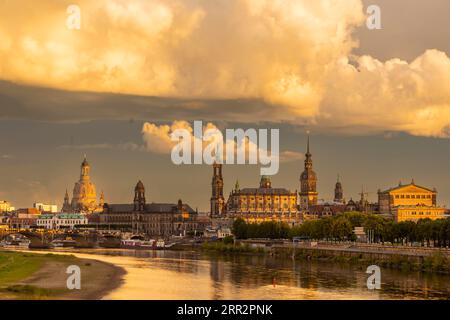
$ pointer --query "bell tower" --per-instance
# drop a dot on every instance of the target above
(338, 192)
(308, 182)
(217, 199)
(139, 197)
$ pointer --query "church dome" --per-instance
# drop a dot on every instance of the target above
(265, 182)
(308, 175)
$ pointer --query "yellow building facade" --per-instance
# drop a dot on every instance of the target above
(256, 205)
(410, 203)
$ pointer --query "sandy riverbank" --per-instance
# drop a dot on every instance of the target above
(47, 278)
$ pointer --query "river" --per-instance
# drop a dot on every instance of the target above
(191, 275)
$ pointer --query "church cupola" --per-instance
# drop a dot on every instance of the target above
(265, 182)
(85, 168)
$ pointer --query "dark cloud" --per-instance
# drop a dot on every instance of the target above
(37, 103)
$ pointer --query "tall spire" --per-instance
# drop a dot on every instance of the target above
(308, 156)
(338, 192)
(307, 145)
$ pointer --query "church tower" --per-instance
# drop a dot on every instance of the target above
(139, 197)
(217, 199)
(308, 182)
(338, 192)
(66, 205)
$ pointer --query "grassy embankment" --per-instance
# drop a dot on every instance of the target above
(18, 266)
(437, 262)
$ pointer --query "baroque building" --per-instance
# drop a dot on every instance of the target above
(410, 203)
(308, 183)
(264, 203)
(84, 196)
(151, 219)
(217, 199)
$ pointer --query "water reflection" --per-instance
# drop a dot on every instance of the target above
(188, 275)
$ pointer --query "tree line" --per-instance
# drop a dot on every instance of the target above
(341, 228)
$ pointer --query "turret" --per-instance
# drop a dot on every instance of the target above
(139, 197)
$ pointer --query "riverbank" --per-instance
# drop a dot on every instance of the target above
(435, 261)
(25, 275)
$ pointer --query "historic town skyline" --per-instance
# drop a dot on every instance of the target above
(49, 117)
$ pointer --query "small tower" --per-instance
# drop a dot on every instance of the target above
(265, 182)
(102, 200)
(308, 182)
(363, 203)
(338, 192)
(217, 199)
(66, 205)
(139, 197)
(85, 168)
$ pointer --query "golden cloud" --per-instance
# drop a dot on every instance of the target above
(292, 54)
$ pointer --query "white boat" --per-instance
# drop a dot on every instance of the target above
(160, 244)
(138, 244)
(16, 244)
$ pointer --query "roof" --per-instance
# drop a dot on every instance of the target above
(62, 216)
(264, 191)
(407, 185)
(149, 208)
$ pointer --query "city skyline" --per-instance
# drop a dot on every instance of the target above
(61, 99)
(198, 195)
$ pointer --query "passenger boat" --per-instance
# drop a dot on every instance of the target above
(19, 243)
(137, 244)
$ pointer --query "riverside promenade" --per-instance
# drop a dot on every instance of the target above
(348, 247)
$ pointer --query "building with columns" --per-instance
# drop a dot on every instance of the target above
(308, 183)
(410, 202)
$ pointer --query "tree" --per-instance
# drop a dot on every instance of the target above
(240, 228)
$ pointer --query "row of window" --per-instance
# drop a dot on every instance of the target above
(61, 222)
(423, 213)
(412, 196)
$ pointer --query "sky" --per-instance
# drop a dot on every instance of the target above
(376, 102)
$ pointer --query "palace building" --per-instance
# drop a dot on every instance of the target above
(308, 183)
(152, 219)
(84, 196)
(410, 203)
(264, 203)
